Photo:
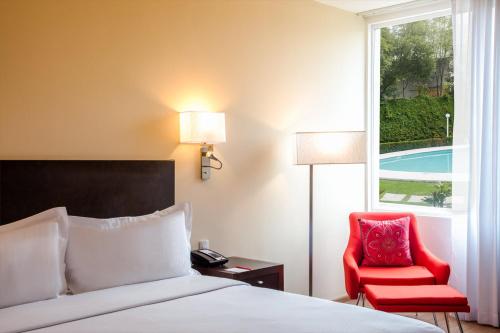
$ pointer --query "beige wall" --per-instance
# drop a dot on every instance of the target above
(105, 80)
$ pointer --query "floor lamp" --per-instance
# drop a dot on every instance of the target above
(327, 148)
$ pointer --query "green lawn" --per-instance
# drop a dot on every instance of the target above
(408, 187)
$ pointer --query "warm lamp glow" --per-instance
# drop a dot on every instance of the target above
(331, 148)
(202, 127)
(195, 103)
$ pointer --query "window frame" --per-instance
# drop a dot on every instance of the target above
(373, 106)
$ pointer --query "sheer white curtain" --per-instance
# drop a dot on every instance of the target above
(476, 160)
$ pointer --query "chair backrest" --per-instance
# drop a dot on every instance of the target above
(355, 233)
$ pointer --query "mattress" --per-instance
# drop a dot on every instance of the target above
(199, 304)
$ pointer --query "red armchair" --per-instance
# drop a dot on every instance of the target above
(426, 269)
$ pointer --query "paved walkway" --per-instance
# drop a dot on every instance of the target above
(417, 198)
(410, 199)
(393, 197)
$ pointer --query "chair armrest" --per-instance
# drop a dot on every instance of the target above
(439, 268)
(351, 274)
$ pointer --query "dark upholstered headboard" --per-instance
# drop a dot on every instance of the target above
(98, 189)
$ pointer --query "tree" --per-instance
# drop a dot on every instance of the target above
(413, 61)
(414, 53)
(387, 74)
(440, 39)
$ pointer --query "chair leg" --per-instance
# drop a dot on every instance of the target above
(363, 300)
(447, 323)
(435, 319)
(459, 323)
(359, 298)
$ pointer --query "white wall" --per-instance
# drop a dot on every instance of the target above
(339, 190)
(91, 79)
(436, 234)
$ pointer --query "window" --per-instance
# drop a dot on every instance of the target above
(411, 113)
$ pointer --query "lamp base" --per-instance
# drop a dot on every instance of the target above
(206, 152)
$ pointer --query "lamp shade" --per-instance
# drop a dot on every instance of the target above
(202, 127)
(331, 147)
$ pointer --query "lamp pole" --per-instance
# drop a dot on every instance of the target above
(447, 125)
(311, 229)
(315, 148)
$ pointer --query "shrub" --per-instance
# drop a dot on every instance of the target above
(390, 147)
(419, 118)
(438, 197)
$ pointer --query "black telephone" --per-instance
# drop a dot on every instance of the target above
(206, 257)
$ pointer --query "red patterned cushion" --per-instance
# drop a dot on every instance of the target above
(386, 243)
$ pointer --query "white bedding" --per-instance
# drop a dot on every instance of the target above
(194, 304)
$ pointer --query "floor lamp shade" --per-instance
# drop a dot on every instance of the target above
(327, 148)
(331, 147)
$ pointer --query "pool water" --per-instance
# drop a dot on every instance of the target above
(438, 161)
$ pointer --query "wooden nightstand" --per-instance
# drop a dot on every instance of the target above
(263, 274)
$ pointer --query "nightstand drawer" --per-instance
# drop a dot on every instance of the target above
(264, 281)
(259, 274)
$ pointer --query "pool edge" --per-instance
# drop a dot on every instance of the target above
(412, 175)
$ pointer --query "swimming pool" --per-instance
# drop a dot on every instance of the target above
(436, 161)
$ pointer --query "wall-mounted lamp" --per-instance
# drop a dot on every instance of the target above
(207, 129)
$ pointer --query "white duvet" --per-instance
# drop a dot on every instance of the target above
(202, 304)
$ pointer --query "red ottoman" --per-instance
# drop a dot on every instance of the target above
(424, 298)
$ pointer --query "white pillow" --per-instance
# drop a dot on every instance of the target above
(57, 215)
(29, 264)
(188, 213)
(113, 252)
(118, 222)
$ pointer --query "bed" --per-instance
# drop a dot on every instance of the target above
(191, 303)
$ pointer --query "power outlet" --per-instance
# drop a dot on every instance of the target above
(203, 244)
